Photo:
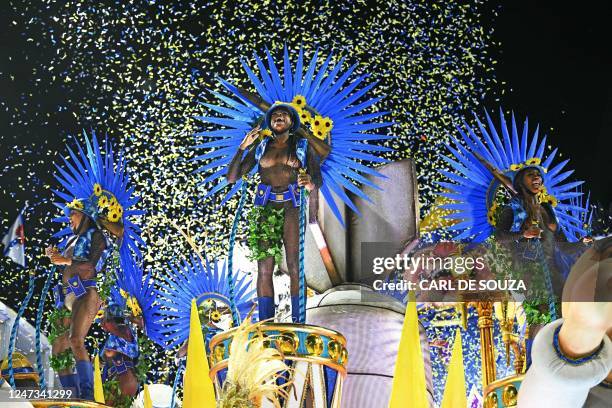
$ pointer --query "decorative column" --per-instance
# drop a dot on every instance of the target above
(487, 347)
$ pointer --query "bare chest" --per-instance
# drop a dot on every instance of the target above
(278, 156)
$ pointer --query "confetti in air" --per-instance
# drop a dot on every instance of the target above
(138, 71)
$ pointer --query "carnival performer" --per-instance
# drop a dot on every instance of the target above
(314, 136)
(532, 216)
(281, 162)
(81, 259)
(120, 351)
(528, 217)
(96, 188)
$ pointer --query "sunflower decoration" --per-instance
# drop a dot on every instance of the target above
(305, 116)
(103, 202)
(76, 204)
(265, 133)
(299, 102)
(491, 214)
(132, 303)
(544, 197)
(97, 190)
(113, 215)
(534, 161)
(215, 316)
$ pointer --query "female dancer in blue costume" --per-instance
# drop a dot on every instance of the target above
(78, 293)
(280, 161)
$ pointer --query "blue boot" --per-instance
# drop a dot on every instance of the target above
(265, 307)
(295, 309)
(70, 382)
(86, 384)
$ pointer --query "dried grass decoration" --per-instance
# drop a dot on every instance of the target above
(253, 370)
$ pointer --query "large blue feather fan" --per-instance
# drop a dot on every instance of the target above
(472, 184)
(194, 279)
(326, 89)
(87, 166)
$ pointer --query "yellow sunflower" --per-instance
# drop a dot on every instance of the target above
(299, 101)
(76, 204)
(103, 202)
(534, 161)
(119, 209)
(215, 316)
(316, 121)
(99, 315)
(328, 124)
(132, 303)
(97, 190)
(265, 133)
(305, 116)
(318, 132)
(516, 167)
(113, 215)
(113, 202)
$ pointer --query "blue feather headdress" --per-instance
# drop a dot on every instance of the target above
(97, 184)
(473, 186)
(136, 293)
(330, 104)
(193, 279)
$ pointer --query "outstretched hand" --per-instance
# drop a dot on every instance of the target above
(304, 180)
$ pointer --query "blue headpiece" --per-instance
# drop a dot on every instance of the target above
(473, 186)
(192, 279)
(329, 104)
(135, 294)
(97, 184)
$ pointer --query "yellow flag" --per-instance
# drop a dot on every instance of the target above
(98, 390)
(148, 403)
(197, 386)
(409, 390)
(454, 390)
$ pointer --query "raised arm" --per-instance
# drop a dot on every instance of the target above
(239, 167)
